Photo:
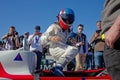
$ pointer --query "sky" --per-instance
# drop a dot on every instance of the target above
(26, 14)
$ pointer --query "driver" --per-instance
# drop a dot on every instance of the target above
(55, 36)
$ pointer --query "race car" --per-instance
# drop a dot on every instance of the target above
(20, 65)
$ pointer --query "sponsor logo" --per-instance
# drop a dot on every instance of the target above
(18, 57)
(45, 67)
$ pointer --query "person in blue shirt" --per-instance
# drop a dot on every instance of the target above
(82, 45)
(36, 46)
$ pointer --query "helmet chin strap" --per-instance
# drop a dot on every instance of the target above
(62, 24)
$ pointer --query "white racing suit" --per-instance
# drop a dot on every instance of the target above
(62, 52)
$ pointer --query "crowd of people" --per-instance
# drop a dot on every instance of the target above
(65, 45)
(72, 48)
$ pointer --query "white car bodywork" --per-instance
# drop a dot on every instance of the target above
(17, 62)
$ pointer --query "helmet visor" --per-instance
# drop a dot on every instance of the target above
(67, 18)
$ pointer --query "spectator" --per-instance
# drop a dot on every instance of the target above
(71, 40)
(12, 40)
(111, 31)
(25, 41)
(21, 40)
(98, 48)
(17, 42)
(82, 47)
(89, 58)
(36, 46)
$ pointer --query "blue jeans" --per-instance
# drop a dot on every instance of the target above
(89, 62)
(98, 59)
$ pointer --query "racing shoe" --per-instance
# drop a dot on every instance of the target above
(57, 70)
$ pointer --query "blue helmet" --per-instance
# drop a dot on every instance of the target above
(67, 15)
(66, 18)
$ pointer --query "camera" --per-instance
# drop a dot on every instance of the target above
(16, 33)
(98, 31)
